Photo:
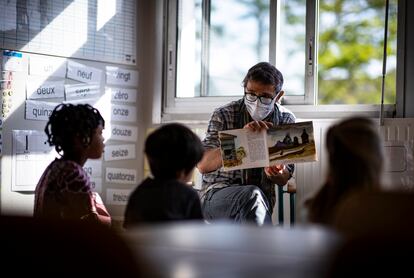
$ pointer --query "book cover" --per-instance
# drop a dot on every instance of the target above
(282, 144)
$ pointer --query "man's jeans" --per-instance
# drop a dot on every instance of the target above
(243, 204)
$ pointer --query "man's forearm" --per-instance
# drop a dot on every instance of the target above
(211, 161)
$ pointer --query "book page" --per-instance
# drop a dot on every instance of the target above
(241, 149)
(291, 143)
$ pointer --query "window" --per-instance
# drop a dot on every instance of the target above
(329, 51)
(215, 50)
(351, 37)
(290, 45)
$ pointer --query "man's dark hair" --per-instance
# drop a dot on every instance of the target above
(68, 121)
(265, 73)
(172, 148)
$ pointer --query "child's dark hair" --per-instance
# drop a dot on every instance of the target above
(172, 148)
(68, 121)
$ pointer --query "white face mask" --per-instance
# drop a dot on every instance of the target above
(257, 110)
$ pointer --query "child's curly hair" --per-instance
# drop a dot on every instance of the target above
(68, 121)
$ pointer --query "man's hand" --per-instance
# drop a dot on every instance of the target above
(278, 174)
(211, 161)
(258, 125)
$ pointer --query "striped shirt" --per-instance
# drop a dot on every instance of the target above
(230, 116)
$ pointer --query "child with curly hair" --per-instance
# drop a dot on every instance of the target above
(64, 190)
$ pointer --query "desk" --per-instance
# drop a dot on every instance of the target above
(227, 250)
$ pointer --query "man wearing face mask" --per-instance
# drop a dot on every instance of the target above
(248, 195)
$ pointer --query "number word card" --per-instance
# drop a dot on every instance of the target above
(38, 89)
(119, 152)
(124, 133)
(123, 113)
(122, 94)
(117, 197)
(120, 76)
(121, 175)
(39, 110)
(83, 73)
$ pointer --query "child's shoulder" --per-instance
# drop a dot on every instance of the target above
(185, 188)
(61, 162)
(70, 168)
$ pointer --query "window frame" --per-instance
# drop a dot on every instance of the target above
(198, 109)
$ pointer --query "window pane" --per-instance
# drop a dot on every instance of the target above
(290, 52)
(239, 39)
(189, 48)
(350, 52)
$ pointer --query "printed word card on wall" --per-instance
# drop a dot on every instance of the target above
(93, 167)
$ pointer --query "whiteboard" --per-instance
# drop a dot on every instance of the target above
(100, 30)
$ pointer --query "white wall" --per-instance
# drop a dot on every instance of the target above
(21, 202)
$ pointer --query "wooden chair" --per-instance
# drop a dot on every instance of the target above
(291, 190)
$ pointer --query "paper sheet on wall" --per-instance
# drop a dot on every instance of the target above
(82, 91)
(83, 73)
(121, 76)
(39, 110)
(37, 88)
(122, 94)
(119, 152)
(30, 157)
(13, 60)
(47, 66)
(121, 175)
(93, 167)
(123, 133)
(7, 91)
(117, 197)
(96, 184)
(123, 113)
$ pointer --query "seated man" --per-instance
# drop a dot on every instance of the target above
(245, 195)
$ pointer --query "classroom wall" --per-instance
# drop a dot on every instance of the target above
(21, 201)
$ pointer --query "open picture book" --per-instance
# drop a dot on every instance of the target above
(282, 144)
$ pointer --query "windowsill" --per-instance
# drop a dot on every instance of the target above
(340, 110)
(190, 111)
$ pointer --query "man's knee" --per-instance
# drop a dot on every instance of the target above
(256, 208)
(255, 192)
